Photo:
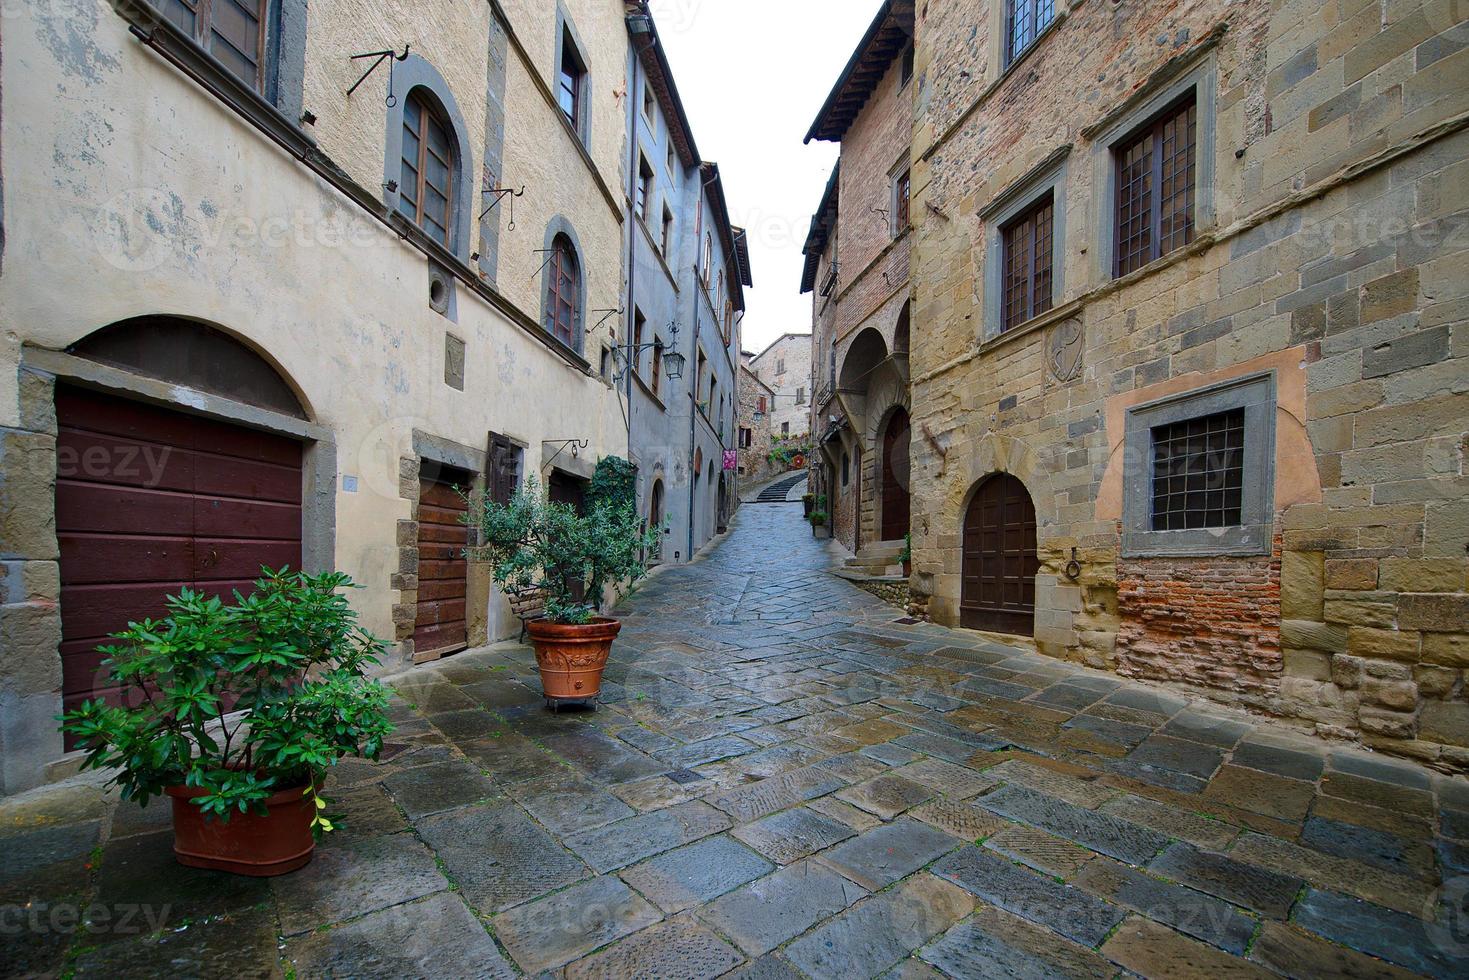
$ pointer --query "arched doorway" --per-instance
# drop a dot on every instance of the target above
(896, 501)
(999, 558)
(655, 521)
(150, 499)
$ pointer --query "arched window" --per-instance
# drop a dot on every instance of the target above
(708, 257)
(728, 320)
(429, 167)
(563, 302)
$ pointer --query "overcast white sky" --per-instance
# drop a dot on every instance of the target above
(752, 74)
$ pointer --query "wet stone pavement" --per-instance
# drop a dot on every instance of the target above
(784, 779)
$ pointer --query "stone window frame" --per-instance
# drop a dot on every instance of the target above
(998, 38)
(559, 225)
(1202, 79)
(566, 30)
(1046, 177)
(414, 73)
(1256, 395)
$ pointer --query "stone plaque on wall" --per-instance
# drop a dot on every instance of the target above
(1064, 349)
(453, 361)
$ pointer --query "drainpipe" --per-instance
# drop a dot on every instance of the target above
(693, 413)
(632, 233)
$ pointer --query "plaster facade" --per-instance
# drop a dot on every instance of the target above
(1329, 254)
(138, 183)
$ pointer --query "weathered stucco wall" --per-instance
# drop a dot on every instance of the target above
(130, 191)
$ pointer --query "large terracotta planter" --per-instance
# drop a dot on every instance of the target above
(572, 658)
(259, 845)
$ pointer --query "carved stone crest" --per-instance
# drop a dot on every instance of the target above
(1064, 349)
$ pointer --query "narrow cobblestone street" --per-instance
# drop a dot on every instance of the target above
(785, 779)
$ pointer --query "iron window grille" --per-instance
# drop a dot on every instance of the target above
(1198, 472)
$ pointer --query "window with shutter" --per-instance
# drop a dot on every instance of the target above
(231, 30)
(564, 286)
(425, 187)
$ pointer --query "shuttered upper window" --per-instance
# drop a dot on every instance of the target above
(1027, 244)
(564, 299)
(1155, 189)
(425, 187)
(231, 30)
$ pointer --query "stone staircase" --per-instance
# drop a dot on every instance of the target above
(877, 560)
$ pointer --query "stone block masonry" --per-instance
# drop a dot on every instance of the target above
(1328, 254)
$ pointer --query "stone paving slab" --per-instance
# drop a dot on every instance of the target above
(626, 841)
(793, 834)
(879, 931)
(996, 943)
(1261, 890)
(1069, 911)
(771, 910)
(352, 879)
(1098, 831)
(695, 874)
(554, 931)
(884, 854)
(499, 857)
(678, 949)
(436, 937)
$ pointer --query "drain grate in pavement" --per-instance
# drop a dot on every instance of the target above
(683, 776)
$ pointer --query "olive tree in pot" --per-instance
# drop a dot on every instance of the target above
(532, 543)
(236, 712)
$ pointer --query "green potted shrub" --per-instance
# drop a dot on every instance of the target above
(808, 504)
(236, 712)
(532, 543)
(818, 518)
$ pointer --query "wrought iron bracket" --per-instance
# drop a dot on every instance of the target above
(500, 194)
(575, 445)
(381, 56)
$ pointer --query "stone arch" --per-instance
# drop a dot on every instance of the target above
(199, 355)
(417, 73)
(867, 351)
(996, 454)
(902, 329)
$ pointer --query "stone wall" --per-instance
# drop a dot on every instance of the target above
(1331, 254)
(755, 465)
(791, 406)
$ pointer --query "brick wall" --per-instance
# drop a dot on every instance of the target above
(1207, 622)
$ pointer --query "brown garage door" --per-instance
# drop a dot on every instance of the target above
(443, 574)
(1000, 563)
(150, 500)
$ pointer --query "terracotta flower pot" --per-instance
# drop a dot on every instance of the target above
(259, 845)
(572, 657)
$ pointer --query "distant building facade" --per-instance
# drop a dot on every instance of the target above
(786, 367)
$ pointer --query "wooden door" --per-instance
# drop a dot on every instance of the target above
(895, 496)
(441, 626)
(150, 500)
(999, 561)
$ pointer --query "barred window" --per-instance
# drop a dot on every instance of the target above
(1198, 472)
(1027, 264)
(1155, 189)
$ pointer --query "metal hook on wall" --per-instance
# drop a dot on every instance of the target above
(500, 194)
(381, 56)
